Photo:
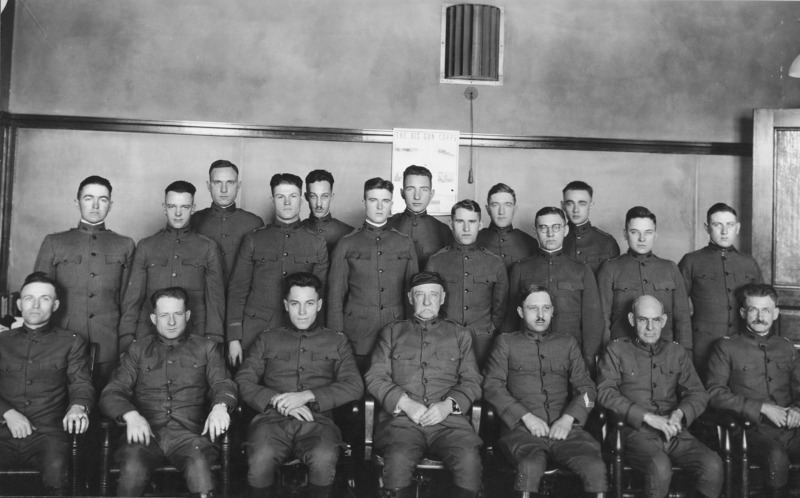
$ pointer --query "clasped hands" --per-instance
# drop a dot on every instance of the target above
(670, 427)
(539, 428)
(425, 415)
(293, 404)
(788, 417)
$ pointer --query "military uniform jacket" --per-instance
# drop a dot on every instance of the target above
(290, 360)
(428, 233)
(476, 286)
(429, 360)
(92, 266)
(255, 288)
(329, 228)
(170, 380)
(588, 244)
(712, 276)
(226, 226)
(635, 379)
(577, 302)
(622, 279)
(42, 373)
(511, 244)
(370, 272)
(174, 257)
(539, 373)
(746, 370)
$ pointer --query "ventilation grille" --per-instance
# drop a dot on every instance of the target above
(472, 44)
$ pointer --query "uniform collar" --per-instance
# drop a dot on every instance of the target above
(373, 228)
(179, 231)
(224, 210)
(310, 330)
(465, 248)
(286, 226)
(499, 230)
(415, 216)
(652, 348)
(579, 229)
(320, 221)
(538, 336)
(171, 342)
(759, 339)
(551, 255)
(29, 332)
(716, 248)
(433, 322)
(83, 226)
(640, 257)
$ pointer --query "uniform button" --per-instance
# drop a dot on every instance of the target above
(224, 253)
(169, 398)
(30, 361)
(174, 275)
(768, 360)
(424, 363)
(544, 391)
(301, 369)
(644, 281)
(287, 235)
(466, 290)
(769, 379)
(319, 230)
(466, 307)
(425, 400)
(91, 315)
(729, 290)
(92, 275)
(654, 385)
(94, 237)
(91, 294)
(170, 381)
(285, 254)
(541, 356)
(94, 253)
(175, 257)
(382, 289)
(304, 336)
(376, 238)
(727, 273)
(29, 382)
(224, 218)
(543, 373)
(302, 350)
(466, 273)
(169, 412)
(379, 253)
(300, 386)
(654, 366)
(380, 270)
(502, 240)
(653, 403)
(170, 347)
(502, 255)
(424, 381)
(177, 241)
(466, 257)
(284, 274)
(730, 308)
(381, 307)
(27, 402)
(414, 224)
(578, 252)
(171, 362)
(547, 405)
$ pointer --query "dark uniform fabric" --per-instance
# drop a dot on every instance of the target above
(43, 372)
(370, 272)
(511, 244)
(429, 361)
(588, 244)
(476, 287)
(290, 360)
(329, 228)
(429, 234)
(622, 279)
(255, 288)
(576, 299)
(543, 374)
(174, 258)
(745, 371)
(712, 276)
(226, 226)
(635, 379)
(170, 383)
(91, 265)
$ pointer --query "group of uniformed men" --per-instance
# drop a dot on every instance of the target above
(310, 312)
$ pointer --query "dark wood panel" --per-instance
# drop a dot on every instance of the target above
(789, 324)
(6, 186)
(787, 207)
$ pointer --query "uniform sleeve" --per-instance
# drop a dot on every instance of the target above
(222, 389)
(79, 382)
(347, 385)
(130, 250)
(682, 326)
(412, 268)
(249, 375)
(495, 384)
(511, 322)
(214, 294)
(718, 379)
(583, 390)
(685, 267)
(378, 378)
(605, 287)
(608, 393)
(239, 287)
(693, 397)
(134, 297)
(499, 295)
(614, 247)
(591, 318)
(337, 286)
(468, 387)
(117, 397)
(46, 258)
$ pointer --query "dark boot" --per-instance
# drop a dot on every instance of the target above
(204, 494)
(315, 491)
(407, 492)
(462, 493)
(268, 492)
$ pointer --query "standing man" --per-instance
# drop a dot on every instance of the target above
(223, 222)
(511, 244)
(651, 385)
(639, 272)
(428, 233)
(475, 279)
(571, 283)
(91, 264)
(712, 276)
(538, 383)
(425, 378)
(44, 373)
(266, 257)
(755, 374)
(161, 392)
(293, 377)
(175, 256)
(585, 242)
(370, 270)
(319, 195)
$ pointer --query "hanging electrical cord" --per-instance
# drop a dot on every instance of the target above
(471, 93)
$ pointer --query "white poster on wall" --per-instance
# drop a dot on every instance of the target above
(437, 150)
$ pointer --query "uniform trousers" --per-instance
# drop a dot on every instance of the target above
(579, 452)
(772, 448)
(647, 451)
(47, 452)
(190, 453)
(270, 442)
(403, 444)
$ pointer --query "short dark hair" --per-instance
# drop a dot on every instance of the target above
(578, 185)
(549, 210)
(756, 290)
(501, 188)
(467, 204)
(39, 277)
(173, 292)
(415, 170)
(180, 187)
(94, 180)
(302, 279)
(378, 183)
(638, 212)
(222, 163)
(533, 289)
(285, 179)
(719, 207)
(319, 175)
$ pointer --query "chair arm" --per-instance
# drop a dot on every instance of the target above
(369, 425)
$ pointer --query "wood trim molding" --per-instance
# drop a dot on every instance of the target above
(215, 129)
(6, 186)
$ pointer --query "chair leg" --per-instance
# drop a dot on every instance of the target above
(225, 469)
(105, 464)
(73, 474)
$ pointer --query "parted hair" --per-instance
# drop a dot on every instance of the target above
(39, 277)
(501, 188)
(533, 289)
(378, 183)
(756, 290)
(578, 185)
(94, 180)
(180, 187)
(285, 178)
(415, 170)
(173, 292)
(302, 279)
(550, 210)
(319, 175)
(467, 204)
(639, 212)
(222, 163)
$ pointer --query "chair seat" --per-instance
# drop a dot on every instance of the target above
(426, 463)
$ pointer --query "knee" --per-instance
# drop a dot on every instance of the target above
(659, 469)
(324, 455)
(533, 463)
(54, 471)
(263, 455)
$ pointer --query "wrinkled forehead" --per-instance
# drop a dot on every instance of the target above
(759, 302)
(427, 288)
(538, 299)
(38, 289)
(648, 307)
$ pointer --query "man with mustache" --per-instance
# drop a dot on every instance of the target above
(319, 195)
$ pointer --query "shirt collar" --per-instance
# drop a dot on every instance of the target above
(426, 323)
(375, 228)
(40, 331)
(411, 214)
(538, 336)
(309, 330)
(550, 255)
(653, 348)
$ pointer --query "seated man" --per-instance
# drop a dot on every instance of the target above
(43, 370)
(539, 385)
(161, 390)
(651, 385)
(293, 377)
(756, 374)
(425, 377)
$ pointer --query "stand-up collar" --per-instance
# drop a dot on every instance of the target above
(499, 230)
(580, 229)
(171, 342)
(287, 226)
(426, 323)
(464, 247)
(179, 231)
(373, 228)
(92, 229)
(224, 210)
(415, 216)
(723, 250)
(320, 221)
(550, 255)
(640, 257)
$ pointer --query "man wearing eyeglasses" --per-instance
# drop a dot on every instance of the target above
(755, 374)
(639, 272)
(571, 283)
(712, 276)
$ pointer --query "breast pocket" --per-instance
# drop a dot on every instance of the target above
(397, 261)
(744, 371)
(558, 367)
(150, 374)
(745, 278)
(156, 265)
(194, 271)
(664, 289)
(405, 365)
(68, 266)
(194, 369)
